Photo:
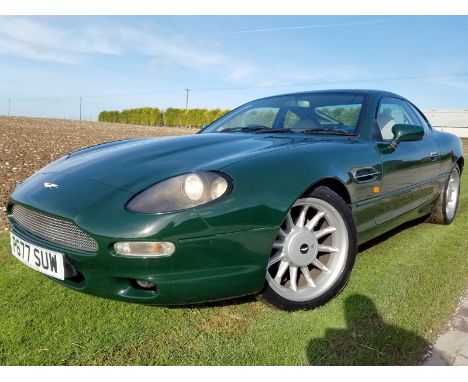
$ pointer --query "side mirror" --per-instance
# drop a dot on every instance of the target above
(406, 133)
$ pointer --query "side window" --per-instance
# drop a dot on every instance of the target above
(421, 121)
(391, 112)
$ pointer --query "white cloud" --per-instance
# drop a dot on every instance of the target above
(41, 39)
(38, 39)
(23, 38)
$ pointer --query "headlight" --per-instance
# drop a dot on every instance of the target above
(181, 192)
(193, 187)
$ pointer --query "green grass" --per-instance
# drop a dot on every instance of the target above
(402, 292)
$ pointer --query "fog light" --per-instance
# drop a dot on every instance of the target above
(144, 248)
(146, 284)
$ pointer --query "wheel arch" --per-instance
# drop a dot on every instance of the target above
(334, 184)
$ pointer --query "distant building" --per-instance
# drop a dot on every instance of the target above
(452, 120)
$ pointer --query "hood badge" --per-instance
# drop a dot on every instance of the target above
(50, 185)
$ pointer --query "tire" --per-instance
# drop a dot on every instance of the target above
(446, 207)
(313, 254)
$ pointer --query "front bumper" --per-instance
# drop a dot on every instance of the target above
(202, 269)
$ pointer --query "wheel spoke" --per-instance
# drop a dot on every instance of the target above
(275, 258)
(282, 233)
(293, 278)
(313, 222)
(323, 232)
(289, 222)
(302, 217)
(281, 270)
(320, 265)
(278, 244)
(308, 277)
(327, 248)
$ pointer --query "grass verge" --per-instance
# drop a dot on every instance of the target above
(401, 293)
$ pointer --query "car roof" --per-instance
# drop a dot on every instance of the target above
(371, 92)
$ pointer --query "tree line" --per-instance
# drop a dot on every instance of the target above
(172, 117)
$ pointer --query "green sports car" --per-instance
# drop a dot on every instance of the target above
(271, 199)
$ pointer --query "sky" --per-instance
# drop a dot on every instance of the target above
(47, 63)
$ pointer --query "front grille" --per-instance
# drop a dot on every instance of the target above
(53, 229)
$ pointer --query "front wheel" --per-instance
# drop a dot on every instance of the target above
(313, 254)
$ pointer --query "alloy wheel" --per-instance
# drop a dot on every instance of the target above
(310, 252)
(451, 196)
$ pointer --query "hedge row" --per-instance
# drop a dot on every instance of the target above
(170, 117)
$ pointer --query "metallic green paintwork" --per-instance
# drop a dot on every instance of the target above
(222, 248)
(407, 133)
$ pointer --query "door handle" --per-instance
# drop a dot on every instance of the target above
(365, 174)
(434, 155)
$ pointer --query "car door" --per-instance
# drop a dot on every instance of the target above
(409, 170)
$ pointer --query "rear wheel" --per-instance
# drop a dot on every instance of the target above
(313, 254)
(446, 207)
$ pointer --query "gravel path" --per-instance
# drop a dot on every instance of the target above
(28, 144)
(451, 347)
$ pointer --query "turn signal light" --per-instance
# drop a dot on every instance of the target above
(144, 248)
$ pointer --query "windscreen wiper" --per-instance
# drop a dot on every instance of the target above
(275, 130)
(256, 129)
(327, 131)
(244, 128)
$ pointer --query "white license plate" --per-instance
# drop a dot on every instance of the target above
(38, 258)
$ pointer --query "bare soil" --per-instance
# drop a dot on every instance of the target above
(28, 144)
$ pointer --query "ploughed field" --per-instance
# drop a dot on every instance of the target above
(28, 144)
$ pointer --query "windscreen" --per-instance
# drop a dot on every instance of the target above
(305, 112)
